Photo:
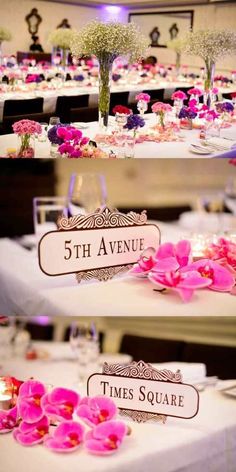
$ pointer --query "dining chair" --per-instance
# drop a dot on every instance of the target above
(118, 98)
(151, 349)
(220, 360)
(22, 107)
(65, 104)
(85, 114)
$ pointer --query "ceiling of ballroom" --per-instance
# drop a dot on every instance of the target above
(141, 3)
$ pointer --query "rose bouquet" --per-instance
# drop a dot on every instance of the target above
(57, 418)
(107, 41)
(26, 130)
(161, 109)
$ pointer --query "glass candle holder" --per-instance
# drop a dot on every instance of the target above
(142, 107)
(6, 393)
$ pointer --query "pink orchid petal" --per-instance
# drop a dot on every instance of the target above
(66, 437)
(165, 250)
(194, 280)
(95, 446)
(183, 251)
(166, 265)
(98, 409)
(106, 437)
(185, 294)
(8, 420)
(221, 278)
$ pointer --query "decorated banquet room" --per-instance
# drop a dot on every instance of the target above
(132, 79)
(118, 235)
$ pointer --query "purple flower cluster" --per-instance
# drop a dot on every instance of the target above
(134, 122)
(187, 112)
(79, 78)
(225, 107)
(52, 135)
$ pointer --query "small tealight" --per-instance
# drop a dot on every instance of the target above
(5, 396)
(199, 245)
(11, 152)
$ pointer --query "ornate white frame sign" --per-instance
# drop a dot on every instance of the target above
(99, 245)
(144, 393)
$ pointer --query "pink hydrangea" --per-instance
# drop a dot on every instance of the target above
(195, 91)
(160, 107)
(143, 96)
(27, 127)
(179, 95)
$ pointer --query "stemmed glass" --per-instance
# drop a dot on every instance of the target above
(85, 345)
(87, 192)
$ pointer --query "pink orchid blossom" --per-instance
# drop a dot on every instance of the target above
(67, 437)
(179, 95)
(224, 252)
(106, 438)
(30, 434)
(29, 401)
(171, 256)
(64, 133)
(8, 420)
(220, 278)
(143, 266)
(66, 148)
(60, 403)
(96, 410)
(183, 283)
(143, 96)
(76, 153)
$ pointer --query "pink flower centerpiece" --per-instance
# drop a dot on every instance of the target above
(161, 109)
(143, 99)
(26, 130)
(195, 93)
(172, 268)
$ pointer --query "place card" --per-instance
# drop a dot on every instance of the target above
(99, 245)
(144, 393)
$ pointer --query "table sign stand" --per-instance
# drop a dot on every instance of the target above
(127, 384)
(100, 245)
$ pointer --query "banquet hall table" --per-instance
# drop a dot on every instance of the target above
(151, 150)
(72, 88)
(204, 443)
(26, 290)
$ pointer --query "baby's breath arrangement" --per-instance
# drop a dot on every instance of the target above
(61, 37)
(210, 45)
(5, 34)
(107, 41)
(177, 45)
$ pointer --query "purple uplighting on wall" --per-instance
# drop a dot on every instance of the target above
(113, 13)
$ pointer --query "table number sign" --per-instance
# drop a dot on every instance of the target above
(99, 245)
(144, 393)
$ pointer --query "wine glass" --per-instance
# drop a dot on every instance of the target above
(214, 203)
(85, 345)
(230, 195)
(87, 192)
(54, 120)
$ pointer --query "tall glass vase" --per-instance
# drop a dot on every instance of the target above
(177, 63)
(209, 83)
(64, 57)
(105, 72)
(1, 55)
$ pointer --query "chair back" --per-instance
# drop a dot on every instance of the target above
(22, 107)
(64, 105)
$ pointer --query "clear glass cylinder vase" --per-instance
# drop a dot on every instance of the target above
(105, 73)
(209, 83)
(26, 146)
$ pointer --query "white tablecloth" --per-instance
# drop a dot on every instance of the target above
(206, 443)
(151, 150)
(50, 96)
(25, 290)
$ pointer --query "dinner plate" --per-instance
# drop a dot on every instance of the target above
(80, 125)
(199, 150)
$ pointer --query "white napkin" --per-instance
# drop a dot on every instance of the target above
(227, 144)
(191, 372)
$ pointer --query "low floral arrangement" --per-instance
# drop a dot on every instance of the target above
(195, 91)
(72, 144)
(51, 418)
(172, 268)
(122, 110)
(161, 109)
(134, 122)
(33, 78)
(179, 95)
(145, 97)
(189, 112)
(5, 34)
(26, 129)
(225, 107)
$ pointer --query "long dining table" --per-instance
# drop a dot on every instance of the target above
(206, 442)
(182, 148)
